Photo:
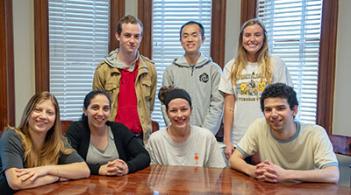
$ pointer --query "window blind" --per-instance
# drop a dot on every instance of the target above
(167, 18)
(293, 28)
(78, 34)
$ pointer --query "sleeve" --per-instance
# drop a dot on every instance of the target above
(281, 73)
(216, 159)
(98, 80)
(225, 84)
(248, 144)
(73, 137)
(324, 155)
(153, 87)
(214, 115)
(167, 80)
(73, 157)
(149, 147)
(139, 157)
(11, 150)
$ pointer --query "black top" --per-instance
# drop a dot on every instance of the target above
(129, 148)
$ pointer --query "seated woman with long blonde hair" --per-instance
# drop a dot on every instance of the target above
(36, 153)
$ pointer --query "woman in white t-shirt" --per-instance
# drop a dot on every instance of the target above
(244, 78)
(181, 143)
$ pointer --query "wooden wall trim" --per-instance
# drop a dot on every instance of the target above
(327, 56)
(248, 10)
(117, 11)
(146, 17)
(218, 31)
(41, 25)
(41, 44)
(7, 97)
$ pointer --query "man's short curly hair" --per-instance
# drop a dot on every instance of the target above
(280, 90)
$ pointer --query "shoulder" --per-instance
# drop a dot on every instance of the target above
(146, 60)
(103, 66)
(313, 130)
(119, 130)
(10, 135)
(77, 126)
(276, 60)
(158, 135)
(201, 132)
(229, 65)
(10, 138)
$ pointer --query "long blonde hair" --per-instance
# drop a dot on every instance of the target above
(54, 142)
(262, 58)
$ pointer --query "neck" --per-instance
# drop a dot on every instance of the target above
(287, 132)
(179, 134)
(252, 58)
(192, 58)
(37, 139)
(96, 131)
(126, 57)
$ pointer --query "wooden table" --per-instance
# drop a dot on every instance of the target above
(183, 180)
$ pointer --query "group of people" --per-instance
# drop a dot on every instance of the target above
(253, 95)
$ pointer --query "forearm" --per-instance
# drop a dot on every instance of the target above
(70, 171)
(44, 180)
(328, 175)
(237, 162)
(228, 117)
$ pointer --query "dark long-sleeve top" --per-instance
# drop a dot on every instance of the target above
(129, 148)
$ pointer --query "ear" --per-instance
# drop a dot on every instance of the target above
(117, 36)
(295, 110)
(85, 112)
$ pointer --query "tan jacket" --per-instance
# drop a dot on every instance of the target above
(107, 77)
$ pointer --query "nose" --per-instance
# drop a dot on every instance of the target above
(274, 113)
(100, 112)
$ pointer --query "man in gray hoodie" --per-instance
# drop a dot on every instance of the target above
(199, 76)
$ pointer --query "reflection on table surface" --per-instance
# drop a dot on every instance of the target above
(183, 180)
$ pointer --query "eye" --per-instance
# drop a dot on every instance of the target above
(127, 35)
(267, 109)
(106, 108)
(50, 112)
(94, 107)
(37, 110)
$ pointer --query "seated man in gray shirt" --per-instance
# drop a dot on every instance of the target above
(289, 150)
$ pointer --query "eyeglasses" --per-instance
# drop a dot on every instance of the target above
(192, 35)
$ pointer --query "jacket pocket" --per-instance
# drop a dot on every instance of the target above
(111, 87)
(146, 88)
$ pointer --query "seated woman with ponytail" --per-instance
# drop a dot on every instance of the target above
(109, 148)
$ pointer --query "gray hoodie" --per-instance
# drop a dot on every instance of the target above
(201, 82)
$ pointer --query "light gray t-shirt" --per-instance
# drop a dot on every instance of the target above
(309, 148)
(247, 91)
(97, 156)
(200, 149)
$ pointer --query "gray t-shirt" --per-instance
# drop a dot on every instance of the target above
(12, 152)
(200, 149)
(96, 156)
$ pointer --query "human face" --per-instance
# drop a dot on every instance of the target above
(130, 38)
(178, 113)
(278, 114)
(42, 118)
(252, 40)
(98, 112)
(191, 39)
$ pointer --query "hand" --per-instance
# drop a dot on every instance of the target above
(228, 150)
(116, 167)
(122, 167)
(269, 172)
(31, 174)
